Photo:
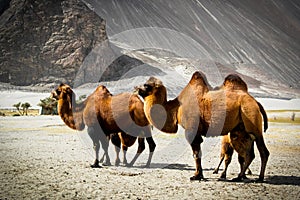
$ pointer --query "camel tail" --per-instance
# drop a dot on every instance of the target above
(264, 114)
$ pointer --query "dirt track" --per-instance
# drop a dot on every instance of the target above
(43, 159)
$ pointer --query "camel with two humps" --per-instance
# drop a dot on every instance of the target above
(220, 112)
(237, 137)
(120, 118)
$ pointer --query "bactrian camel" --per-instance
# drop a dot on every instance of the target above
(239, 138)
(202, 112)
(120, 117)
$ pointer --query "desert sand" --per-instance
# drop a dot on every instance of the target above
(41, 158)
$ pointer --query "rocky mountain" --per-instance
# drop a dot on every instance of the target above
(46, 41)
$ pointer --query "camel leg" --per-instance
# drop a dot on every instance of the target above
(105, 142)
(197, 156)
(228, 157)
(244, 167)
(245, 161)
(195, 144)
(141, 148)
(95, 138)
(103, 157)
(124, 148)
(115, 139)
(264, 155)
(218, 167)
(249, 121)
(249, 172)
(117, 161)
(152, 146)
(242, 162)
(226, 152)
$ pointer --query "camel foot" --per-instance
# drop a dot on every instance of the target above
(223, 176)
(107, 163)
(215, 171)
(147, 166)
(117, 162)
(237, 179)
(245, 177)
(129, 165)
(96, 164)
(197, 177)
(259, 180)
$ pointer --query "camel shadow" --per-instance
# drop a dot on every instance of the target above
(283, 180)
(272, 180)
(175, 166)
(168, 166)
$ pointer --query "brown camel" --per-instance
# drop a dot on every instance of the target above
(119, 117)
(219, 111)
(239, 138)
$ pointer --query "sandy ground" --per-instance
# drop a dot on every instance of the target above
(43, 159)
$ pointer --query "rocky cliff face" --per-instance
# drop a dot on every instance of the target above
(46, 41)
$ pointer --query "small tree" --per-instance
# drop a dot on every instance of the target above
(49, 106)
(25, 107)
(17, 106)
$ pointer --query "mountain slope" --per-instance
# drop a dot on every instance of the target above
(260, 39)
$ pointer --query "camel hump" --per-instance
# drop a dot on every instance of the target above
(235, 82)
(200, 78)
(102, 90)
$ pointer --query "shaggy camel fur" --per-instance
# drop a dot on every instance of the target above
(235, 82)
(240, 141)
(107, 116)
(219, 111)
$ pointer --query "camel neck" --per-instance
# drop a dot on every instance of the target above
(162, 113)
(71, 113)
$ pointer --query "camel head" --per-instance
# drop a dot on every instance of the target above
(234, 82)
(67, 108)
(63, 92)
(153, 88)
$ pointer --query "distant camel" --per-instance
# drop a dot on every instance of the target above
(234, 82)
(107, 116)
(223, 109)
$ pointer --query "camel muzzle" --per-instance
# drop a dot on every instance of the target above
(140, 90)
